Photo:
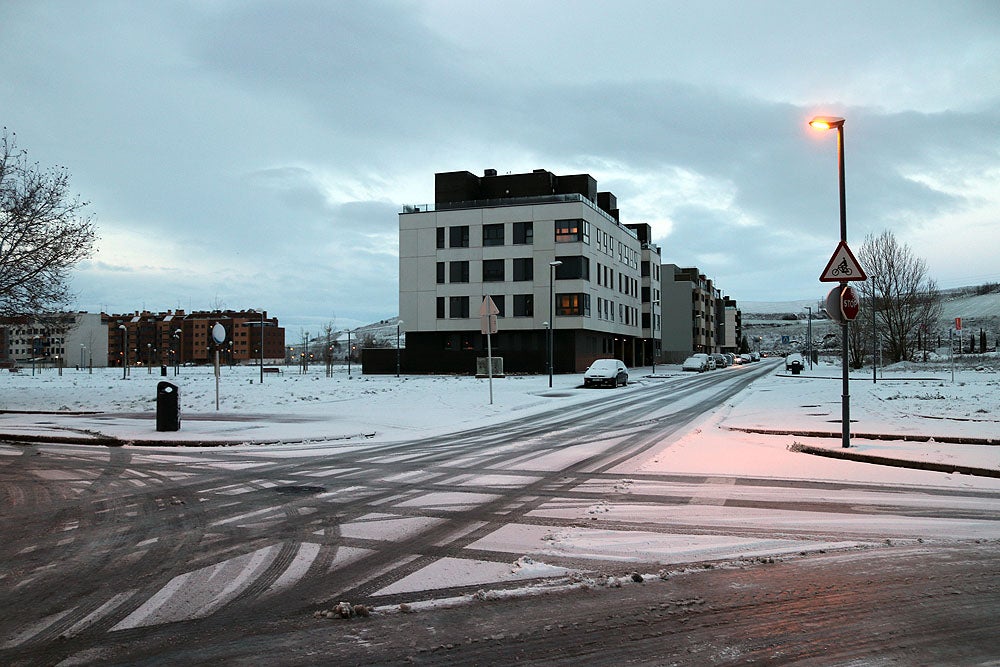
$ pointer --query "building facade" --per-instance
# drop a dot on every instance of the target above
(53, 339)
(175, 337)
(689, 313)
(547, 250)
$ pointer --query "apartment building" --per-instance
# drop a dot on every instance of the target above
(548, 250)
(689, 306)
(63, 339)
(152, 339)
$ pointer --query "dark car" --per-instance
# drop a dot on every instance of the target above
(610, 372)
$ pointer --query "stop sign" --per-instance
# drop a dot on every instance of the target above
(850, 305)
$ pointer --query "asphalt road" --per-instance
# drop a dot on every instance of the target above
(145, 556)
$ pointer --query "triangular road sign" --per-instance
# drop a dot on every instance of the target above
(488, 307)
(842, 266)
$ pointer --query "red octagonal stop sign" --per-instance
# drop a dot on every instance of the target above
(850, 305)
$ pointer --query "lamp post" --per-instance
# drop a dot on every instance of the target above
(124, 331)
(809, 333)
(149, 358)
(180, 349)
(552, 279)
(82, 348)
(652, 329)
(398, 325)
(830, 123)
(261, 311)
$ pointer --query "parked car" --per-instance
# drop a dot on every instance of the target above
(611, 372)
(794, 363)
(730, 357)
(696, 362)
(737, 359)
(720, 360)
(755, 356)
(746, 358)
(711, 363)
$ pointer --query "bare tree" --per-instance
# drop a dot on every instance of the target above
(905, 299)
(44, 232)
(332, 345)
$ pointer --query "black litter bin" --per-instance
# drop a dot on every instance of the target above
(168, 407)
(163, 371)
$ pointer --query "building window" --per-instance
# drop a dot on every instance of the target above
(493, 271)
(459, 237)
(440, 237)
(440, 308)
(458, 307)
(440, 272)
(458, 272)
(499, 302)
(568, 305)
(524, 269)
(493, 234)
(524, 305)
(573, 268)
(569, 231)
(524, 233)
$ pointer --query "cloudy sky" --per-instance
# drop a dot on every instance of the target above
(245, 154)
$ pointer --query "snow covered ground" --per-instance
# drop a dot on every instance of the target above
(907, 400)
(295, 414)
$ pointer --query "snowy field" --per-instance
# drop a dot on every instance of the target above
(907, 400)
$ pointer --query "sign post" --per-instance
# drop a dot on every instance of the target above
(488, 325)
(219, 336)
(843, 305)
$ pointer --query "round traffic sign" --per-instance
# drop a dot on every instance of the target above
(850, 305)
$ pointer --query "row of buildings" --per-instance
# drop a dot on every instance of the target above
(140, 338)
(555, 260)
(569, 280)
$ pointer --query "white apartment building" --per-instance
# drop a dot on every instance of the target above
(547, 249)
(54, 339)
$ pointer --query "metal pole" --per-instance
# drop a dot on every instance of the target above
(262, 347)
(397, 349)
(809, 332)
(348, 354)
(846, 397)
(124, 350)
(552, 271)
(874, 343)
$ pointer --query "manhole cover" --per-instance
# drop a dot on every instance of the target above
(298, 490)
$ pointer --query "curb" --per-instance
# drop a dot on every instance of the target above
(953, 440)
(896, 463)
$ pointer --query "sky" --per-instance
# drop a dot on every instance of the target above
(247, 154)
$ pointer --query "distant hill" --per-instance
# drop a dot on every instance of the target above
(958, 302)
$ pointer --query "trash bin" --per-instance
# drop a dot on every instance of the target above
(163, 371)
(168, 407)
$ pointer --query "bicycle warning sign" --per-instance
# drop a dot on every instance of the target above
(842, 266)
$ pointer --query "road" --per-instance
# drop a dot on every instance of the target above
(144, 556)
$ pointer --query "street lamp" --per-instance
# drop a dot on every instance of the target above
(552, 279)
(149, 360)
(124, 331)
(398, 325)
(809, 333)
(261, 311)
(830, 123)
(652, 329)
(82, 348)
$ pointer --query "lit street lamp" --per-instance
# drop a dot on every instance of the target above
(830, 123)
(551, 323)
